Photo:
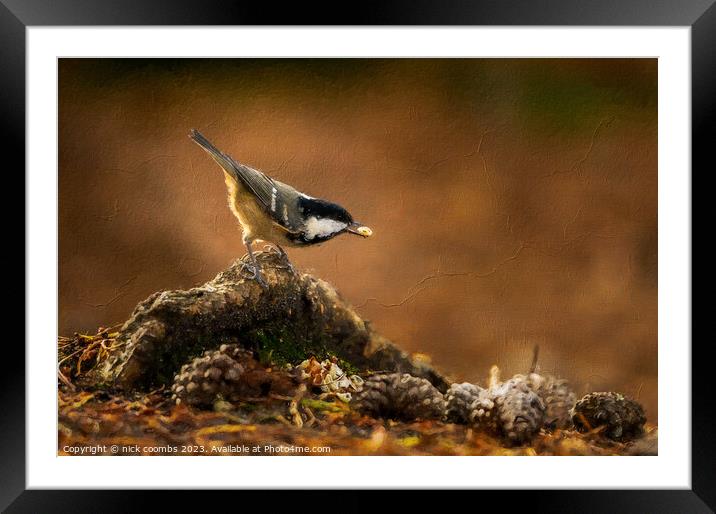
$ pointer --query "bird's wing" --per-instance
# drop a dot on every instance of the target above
(278, 200)
(285, 207)
(262, 186)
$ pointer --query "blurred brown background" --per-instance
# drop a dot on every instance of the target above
(513, 202)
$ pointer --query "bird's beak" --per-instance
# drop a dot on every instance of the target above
(358, 229)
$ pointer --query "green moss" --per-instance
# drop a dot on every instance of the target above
(169, 362)
(277, 345)
(321, 405)
(349, 368)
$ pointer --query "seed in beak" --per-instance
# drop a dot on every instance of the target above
(364, 231)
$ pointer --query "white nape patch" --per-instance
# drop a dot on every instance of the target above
(273, 199)
(322, 227)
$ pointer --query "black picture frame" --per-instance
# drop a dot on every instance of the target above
(17, 15)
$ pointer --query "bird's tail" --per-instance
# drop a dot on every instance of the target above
(223, 160)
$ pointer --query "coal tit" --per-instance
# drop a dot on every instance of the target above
(274, 212)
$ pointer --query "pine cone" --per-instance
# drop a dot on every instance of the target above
(557, 396)
(623, 417)
(459, 400)
(399, 396)
(511, 410)
(230, 373)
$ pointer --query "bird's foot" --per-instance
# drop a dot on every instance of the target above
(251, 272)
(275, 249)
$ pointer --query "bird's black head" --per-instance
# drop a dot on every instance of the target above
(323, 209)
(324, 220)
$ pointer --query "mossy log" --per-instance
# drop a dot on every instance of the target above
(296, 316)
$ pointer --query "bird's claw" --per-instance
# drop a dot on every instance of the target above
(269, 249)
(273, 249)
(251, 272)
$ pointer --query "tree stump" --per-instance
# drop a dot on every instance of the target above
(296, 316)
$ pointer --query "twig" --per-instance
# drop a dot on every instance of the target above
(535, 356)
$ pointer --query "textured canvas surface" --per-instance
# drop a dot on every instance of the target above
(513, 202)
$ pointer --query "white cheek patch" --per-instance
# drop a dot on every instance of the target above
(322, 227)
(273, 199)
